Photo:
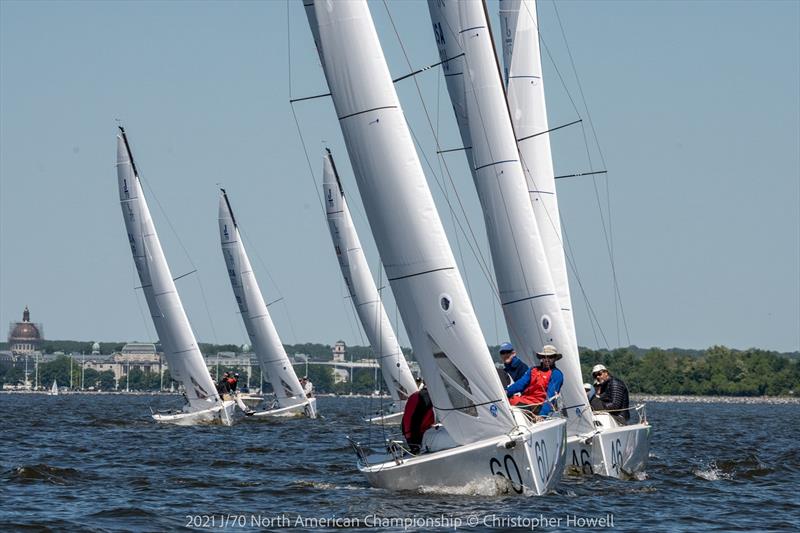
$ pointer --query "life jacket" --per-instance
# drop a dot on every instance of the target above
(536, 391)
(417, 417)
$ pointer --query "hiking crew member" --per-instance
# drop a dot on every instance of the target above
(539, 384)
(417, 417)
(512, 364)
(613, 395)
(308, 387)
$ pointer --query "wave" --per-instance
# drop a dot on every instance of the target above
(711, 473)
(45, 473)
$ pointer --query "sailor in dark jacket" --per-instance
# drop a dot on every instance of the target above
(613, 395)
(512, 364)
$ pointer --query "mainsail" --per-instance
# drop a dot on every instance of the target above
(275, 364)
(361, 287)
(527, 293)
(526, 101)
(186, 363)
(436, 310)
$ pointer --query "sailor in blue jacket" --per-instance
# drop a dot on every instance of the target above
(512, 364)
(539, 385)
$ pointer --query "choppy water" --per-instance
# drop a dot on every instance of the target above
(98, 462)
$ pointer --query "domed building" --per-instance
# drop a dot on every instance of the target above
(25, 337)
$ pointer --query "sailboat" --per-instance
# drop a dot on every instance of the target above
(186, 363)
(54, 389)
(479, 440)
(607, 448)
(523, 230)
(364, 295)
(290, 399)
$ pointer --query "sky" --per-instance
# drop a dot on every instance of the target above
(695, 108)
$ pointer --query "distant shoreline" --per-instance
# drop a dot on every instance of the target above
(654, 398)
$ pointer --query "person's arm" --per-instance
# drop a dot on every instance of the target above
(520, 385)
(615, 395)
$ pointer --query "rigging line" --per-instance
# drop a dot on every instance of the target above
(438, 147)
(580, 174)
(549, 130)
(603, 161)
(139, 305)
(592, 317)
(188, 257)
(441, 170)
(423, 69)
(482, 265)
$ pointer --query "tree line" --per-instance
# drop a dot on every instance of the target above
(715, 371)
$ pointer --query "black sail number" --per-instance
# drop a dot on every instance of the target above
(509, 470)
(584, 463)
(540, 448)
(616, 455)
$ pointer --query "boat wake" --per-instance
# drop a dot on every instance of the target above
(712, 473)
(748, 467)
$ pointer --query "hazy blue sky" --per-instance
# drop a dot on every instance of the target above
(696, 106)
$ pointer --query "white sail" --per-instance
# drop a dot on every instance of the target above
(438, 315)
(186, 364)
(526, 101)
(527, 293)
(54, 388)
(363, 293)
(275, 364)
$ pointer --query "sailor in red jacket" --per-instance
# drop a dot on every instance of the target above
(417, 417)
(539, 384)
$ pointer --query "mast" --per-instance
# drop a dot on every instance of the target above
(361, 287)
(186, 363)
(438, 315)
(275, 364)
(527, 293)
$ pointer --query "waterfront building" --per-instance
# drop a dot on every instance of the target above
(25, 338)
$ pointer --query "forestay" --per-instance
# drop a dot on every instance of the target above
(362, 290)
(526, 101)
(527, 293)
(419, 263)
(186, 363)
(275, 364)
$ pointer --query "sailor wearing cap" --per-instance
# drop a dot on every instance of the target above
(512, 364)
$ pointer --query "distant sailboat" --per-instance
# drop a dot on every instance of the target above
(364, 295)
(291, 400)
(480, 440)
(186, 363)
(54, 389)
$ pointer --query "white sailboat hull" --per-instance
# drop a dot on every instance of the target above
(614, 451)
(220, 414)
(526, 464)
(386, 419)
(306, 409)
